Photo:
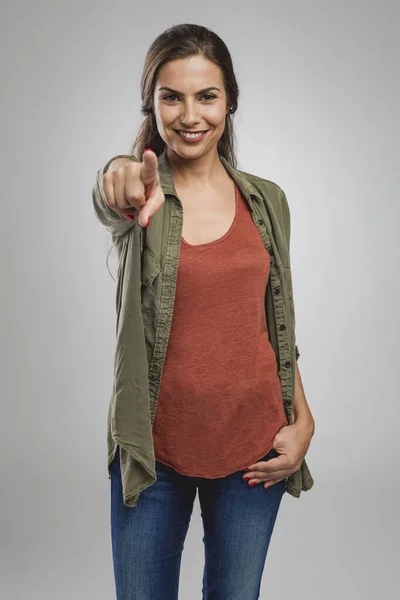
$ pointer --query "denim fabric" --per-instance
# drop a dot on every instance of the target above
(147, 541)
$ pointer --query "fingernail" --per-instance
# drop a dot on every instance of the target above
(246, 469)
(131, 217)
(147, 149)
(252, 483)
(246, 478)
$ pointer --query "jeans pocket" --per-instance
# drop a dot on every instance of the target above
(271, 454)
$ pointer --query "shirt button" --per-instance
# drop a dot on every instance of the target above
(276, 291)
(282, 327)
(287, 363)
(260, 222)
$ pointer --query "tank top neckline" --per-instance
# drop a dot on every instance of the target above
(226, 234)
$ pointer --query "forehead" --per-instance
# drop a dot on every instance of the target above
(192, 73)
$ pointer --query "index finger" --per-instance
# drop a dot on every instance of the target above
(279, 469)
(149, 170)
(271, 465)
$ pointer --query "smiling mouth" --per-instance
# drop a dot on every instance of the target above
(191, 135)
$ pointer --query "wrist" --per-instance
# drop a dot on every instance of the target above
(306, 423)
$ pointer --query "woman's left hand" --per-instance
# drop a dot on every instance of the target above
(291, 442)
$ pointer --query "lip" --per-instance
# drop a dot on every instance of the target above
(191, 140)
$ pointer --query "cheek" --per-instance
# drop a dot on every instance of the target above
(166, 116)
(216, 116)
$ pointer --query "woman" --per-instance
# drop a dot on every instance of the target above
(205, 317)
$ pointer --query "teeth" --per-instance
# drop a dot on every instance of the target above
(191, 135)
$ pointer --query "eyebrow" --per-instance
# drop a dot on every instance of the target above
(168, 89)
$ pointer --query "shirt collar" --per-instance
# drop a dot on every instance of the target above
(243, 183)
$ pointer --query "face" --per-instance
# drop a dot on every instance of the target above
(189, 96)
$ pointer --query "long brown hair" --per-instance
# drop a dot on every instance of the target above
(182, 41)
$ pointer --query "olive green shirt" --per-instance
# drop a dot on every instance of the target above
(145, 293)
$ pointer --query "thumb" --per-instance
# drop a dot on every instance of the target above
(149, 170)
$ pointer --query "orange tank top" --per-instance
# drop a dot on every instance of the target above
(220, 404)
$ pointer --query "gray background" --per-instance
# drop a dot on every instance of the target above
(318, 114)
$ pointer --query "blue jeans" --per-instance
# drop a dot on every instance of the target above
(147, 541)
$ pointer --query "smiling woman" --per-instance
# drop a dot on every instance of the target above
(191, 121)
(188, 85)
(206, 355)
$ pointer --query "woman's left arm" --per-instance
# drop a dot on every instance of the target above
(302, 415)
(301, 411)
(291, 442)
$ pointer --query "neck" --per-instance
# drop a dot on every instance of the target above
(199, 172)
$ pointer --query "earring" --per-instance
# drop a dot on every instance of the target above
(231, 110)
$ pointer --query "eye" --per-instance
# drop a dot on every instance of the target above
(172, 97)
(169, 98)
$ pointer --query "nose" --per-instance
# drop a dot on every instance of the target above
(189, 115)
